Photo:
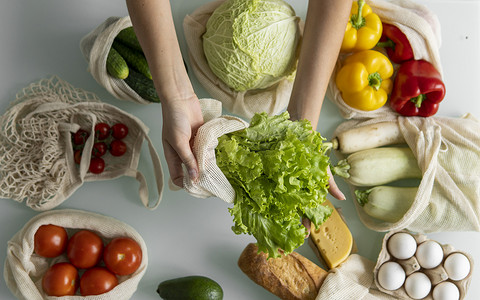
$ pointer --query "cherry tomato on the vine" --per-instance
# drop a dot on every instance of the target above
(85, 249)
(96, 281)
(118, 148)
(99, 149)
(80, 137)
(122, 256)
(50, 240)
(102, 131)
(97, 165)
(119, 131)
(61, 279)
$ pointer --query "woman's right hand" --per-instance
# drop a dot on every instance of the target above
(181, 120)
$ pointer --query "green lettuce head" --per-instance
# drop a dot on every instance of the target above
(252, 44)
(278, 169)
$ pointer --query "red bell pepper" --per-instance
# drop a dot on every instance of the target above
(395, 43)
(417, 89)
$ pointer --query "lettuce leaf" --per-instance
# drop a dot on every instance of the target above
(278, 169)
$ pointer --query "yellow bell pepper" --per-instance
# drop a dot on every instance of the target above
(364, 80)
(364, 29)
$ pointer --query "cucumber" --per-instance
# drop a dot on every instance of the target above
(190, 288)
(128, 37)
(116, 65)
(143, 86)
(134, 59)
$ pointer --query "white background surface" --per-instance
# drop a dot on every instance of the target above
(185, 235)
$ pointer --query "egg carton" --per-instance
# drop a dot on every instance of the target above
(411, 265)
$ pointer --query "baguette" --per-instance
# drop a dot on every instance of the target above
(290, 277)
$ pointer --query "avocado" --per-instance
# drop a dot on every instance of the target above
(190, 288)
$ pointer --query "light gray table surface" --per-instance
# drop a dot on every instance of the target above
(187, 235)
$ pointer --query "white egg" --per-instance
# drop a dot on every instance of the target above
(429, 254)
(391, 276)
(402, 245)
(446, 291)
(418, 285)
(457, 266)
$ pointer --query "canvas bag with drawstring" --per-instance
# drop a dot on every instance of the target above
(36, 152)
(422, 28)
(95, 47)
(447, 150)
(271, 100)
(23, 269)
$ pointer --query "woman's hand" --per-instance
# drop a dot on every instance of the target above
(181, 120)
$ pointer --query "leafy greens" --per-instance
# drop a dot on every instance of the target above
(278, 169)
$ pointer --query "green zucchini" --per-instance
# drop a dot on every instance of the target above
(128, 37)
(143, 86)
(116, 65)
(134, 59)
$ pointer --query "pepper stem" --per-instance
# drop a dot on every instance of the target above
(418, 100)
(375, 80)
(357, 20)
(387, 44)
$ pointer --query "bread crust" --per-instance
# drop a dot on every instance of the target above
(290, 277)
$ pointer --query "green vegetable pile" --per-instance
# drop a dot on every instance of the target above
(252, 44)
(278, 169)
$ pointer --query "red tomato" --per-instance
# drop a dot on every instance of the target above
(77, 156)
(50, 240)
(61, 279)
(97, 165)
(84, 249)
(80, 137)
(119, 131)
(118, 148)
(99, 149)
(96, 281)
(122, 256)
(102, 131)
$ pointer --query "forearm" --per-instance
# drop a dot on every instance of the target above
(324, 29)
(153, 24)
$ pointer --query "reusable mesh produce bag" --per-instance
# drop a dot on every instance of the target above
(353, 279)
(422, 28)
(95, 47)
(448, 154)
(36, 153)
(212, 182)
(271, 100)
(24, 269)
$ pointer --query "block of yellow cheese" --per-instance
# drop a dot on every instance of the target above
(332, 241)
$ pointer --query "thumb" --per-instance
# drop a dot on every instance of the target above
(190, 162)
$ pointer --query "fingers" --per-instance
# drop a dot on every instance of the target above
(308, 225)
(175, 158)
(333, 188)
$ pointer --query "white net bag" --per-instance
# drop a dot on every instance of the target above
(36, 151)
(447, 151)
(24, 269)
(422, 28)
(212, 182)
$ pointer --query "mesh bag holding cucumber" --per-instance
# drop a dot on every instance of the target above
(116, 61)
(413, 172)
